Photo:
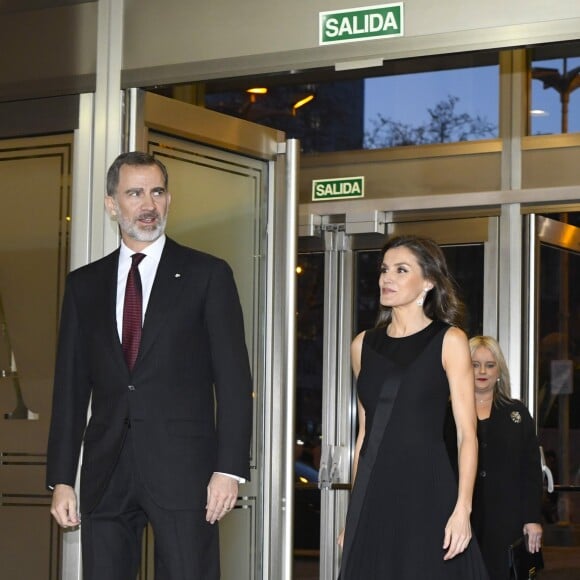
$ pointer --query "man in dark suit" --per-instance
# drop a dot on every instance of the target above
(168, 437)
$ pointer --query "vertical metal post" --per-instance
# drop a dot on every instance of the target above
(510, 291)
(108, 120)
(280, 393)
(329, 393)
(531, 309)
(491, 279)
(99, 134)
(337, 400)
(345, 402)
(290, 257)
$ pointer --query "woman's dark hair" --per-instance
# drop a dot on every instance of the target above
(442, 301)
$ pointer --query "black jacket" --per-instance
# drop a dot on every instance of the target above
(508, 485)
(188, 400)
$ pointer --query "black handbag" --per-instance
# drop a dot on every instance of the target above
(523, 565)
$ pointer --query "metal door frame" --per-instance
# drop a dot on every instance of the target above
(539, 229)
(563, 236)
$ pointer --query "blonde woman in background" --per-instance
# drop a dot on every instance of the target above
(508, 488)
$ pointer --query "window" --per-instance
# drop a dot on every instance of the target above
(554, 98)
(441, 99)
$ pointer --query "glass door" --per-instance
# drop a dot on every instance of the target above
(337, 297)
(34, 250)
(554, 379)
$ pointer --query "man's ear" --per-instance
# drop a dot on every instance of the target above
(110, 205)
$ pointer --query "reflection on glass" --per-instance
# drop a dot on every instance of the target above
(558, 380)
(555, 103)
(368, 112)
(329, 118)
(9, 373)
(310, 293)
(432, 107)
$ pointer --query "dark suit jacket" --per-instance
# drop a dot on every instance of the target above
(508, 485)
(182, 429)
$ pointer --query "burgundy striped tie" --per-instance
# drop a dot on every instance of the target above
(132, 312)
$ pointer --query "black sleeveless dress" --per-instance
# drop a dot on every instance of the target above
(405, 488)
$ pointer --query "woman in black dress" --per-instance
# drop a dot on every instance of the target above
(508, 490)
(408, 517)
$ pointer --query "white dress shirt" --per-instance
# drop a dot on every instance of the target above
(147, 270)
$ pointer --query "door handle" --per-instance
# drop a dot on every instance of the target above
(333, 467)
(547, 472)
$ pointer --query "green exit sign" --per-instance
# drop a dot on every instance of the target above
(366, 23)
(339, 188)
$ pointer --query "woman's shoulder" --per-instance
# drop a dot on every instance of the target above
(358, 339)
(454, 339)
(357, 343)
(454, 332)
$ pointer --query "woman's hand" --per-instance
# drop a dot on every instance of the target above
(457, 533)
(340, 539)
(534, 532)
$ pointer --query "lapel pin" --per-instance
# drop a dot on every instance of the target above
(178, 275)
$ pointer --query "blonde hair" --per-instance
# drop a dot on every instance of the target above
(502, 388)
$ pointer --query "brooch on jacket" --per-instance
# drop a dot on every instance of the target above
(516, 417)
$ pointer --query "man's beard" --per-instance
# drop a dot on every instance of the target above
(140, 232)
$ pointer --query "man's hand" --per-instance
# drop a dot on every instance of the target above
(222, 494)
(64, 506)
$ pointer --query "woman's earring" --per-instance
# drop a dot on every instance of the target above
(421, 298)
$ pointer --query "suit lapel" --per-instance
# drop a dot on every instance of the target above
(167, 287)
(105, 308)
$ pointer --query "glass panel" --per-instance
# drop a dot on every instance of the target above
(331, 121)
(310, 299)
(232, 207)
(554, 101)
(558, 396)
(465, 264)
(432, 100)
(33, 263)
(432, 107)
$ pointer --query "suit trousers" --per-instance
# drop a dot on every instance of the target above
(186, 546)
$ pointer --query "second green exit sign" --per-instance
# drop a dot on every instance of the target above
(338, 188)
